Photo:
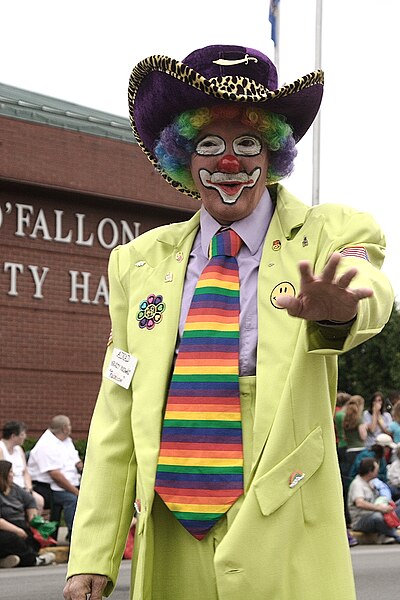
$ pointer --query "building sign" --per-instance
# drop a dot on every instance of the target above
(53, 230)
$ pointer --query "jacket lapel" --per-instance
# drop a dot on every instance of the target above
(158, 269)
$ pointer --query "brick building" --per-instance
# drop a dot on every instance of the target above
(73, 185)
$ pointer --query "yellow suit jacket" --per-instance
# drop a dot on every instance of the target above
(286, 543)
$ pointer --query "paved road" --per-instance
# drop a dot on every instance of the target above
(46, 583)
(376, 568)
(377, 572)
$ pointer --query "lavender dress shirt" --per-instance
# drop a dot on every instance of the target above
(252, 230)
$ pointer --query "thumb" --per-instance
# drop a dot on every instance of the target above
(291, 304)
(283, 301)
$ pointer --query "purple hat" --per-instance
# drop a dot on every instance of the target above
(160, 88)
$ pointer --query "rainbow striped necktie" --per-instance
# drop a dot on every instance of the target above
(200, 466)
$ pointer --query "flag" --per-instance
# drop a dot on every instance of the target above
(356, 251)
(273, 18)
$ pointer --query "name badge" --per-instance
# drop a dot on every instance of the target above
(121, 368)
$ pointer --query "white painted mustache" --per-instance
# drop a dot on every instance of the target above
(218, 177)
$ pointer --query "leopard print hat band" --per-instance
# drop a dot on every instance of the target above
(160, 88)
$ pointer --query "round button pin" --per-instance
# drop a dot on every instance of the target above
(285, 288)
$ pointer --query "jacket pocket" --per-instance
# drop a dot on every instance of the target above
(284, 480)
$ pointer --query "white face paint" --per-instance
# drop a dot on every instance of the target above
(247, 145)
(229, 186)
(229, 166)
(211, 145)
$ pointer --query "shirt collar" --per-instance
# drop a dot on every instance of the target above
(252, 229)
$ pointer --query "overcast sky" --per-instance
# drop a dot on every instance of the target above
(82, 51)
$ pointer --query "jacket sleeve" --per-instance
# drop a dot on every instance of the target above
(107, 492)
(343, 227)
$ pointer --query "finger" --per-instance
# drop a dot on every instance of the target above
(66, 594)
(329, 272)
(292, 305)
(81, 587)
(99, 582)
(74, 592)
(347, 277)
(361, 293)
(306, 273)
(282, 301)
(97, 588)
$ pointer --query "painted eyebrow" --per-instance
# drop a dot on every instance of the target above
(248, 135)
(210, 135)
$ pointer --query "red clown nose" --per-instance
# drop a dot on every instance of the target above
(228, 164)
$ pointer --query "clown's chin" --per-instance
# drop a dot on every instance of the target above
(231, 192)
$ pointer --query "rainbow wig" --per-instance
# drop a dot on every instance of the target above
(177, 141)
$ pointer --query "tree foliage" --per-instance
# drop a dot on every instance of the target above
(374, 365)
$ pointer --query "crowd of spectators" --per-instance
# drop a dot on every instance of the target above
(368, 444)
(36, 492)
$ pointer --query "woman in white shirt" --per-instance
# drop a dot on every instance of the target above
(14, 434)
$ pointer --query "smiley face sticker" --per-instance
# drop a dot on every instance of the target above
(285, 288)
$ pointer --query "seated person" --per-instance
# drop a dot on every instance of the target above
(351, 432)
(14, 434)
(365, 514)
(55, 467)
(393, 474)
(18, 547)
(394, 427)
(383, 444)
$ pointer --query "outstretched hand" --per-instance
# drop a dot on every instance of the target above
(325, 297)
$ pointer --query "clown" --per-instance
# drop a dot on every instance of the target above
(228, 455)
(226, 154)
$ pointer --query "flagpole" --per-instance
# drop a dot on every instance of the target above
(317, 123)
(277, 36)
(274, 19)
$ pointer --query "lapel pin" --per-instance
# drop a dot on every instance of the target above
(168, 277)
(140, 263)
(150, 311)
(305, 241)
(179, 256)
(276, 245)
(295, 478)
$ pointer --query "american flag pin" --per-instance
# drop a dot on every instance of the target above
(356, 251)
